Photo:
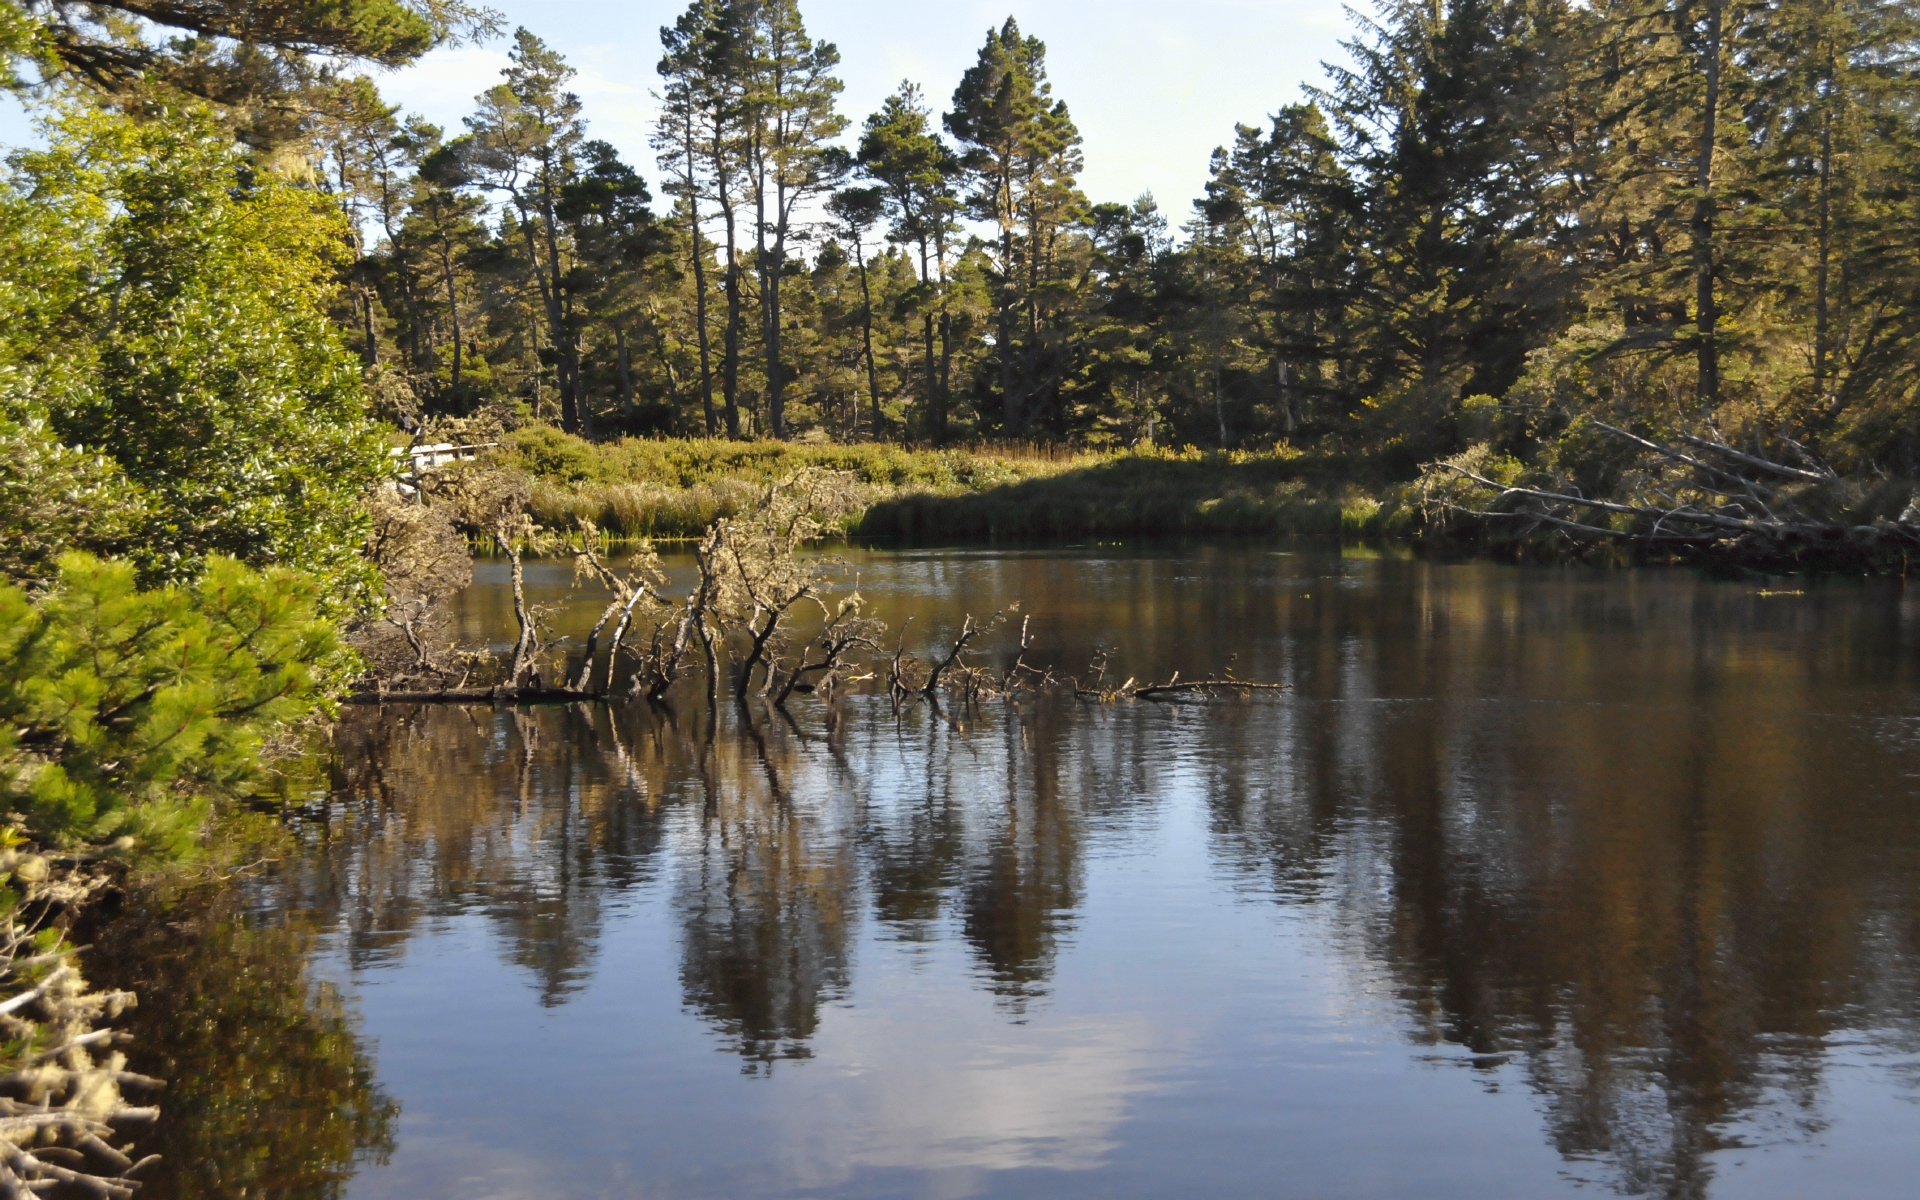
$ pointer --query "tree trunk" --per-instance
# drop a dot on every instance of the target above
(700, 296)
(1820, 319)
(730, 339)
(866, 332)
(926, 337)
(525, 648)
(453, 310)
(371, 354)
(1706, 309)
(626, 369)
(944, 392)
(1219, 408)
(550, 301)
(1012, 414)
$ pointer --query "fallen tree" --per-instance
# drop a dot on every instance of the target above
(1686, 494)
(740, 619)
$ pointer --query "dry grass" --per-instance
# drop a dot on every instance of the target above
(669, 489)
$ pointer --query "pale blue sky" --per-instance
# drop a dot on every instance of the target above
(1153, 84)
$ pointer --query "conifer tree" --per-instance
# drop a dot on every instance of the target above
(523, 142)
(791, 122)
(1021, 154)
(1434, 124)
(917, 174)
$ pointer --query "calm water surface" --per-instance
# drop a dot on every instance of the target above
(1538, 882)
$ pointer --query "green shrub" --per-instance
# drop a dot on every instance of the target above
(163, 310)
(127, 713)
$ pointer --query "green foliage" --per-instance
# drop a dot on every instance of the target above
(103, 42)
(1148, 493)
(162, 305)
(22, 39)
(126, 713)
(53, 497)
(1490, 221)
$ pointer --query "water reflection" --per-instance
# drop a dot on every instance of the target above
(766, 895)
(537, 820)
(1643, 846)
(1610, 832)
(270, 1089)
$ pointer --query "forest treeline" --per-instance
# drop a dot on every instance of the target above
(1492, 218)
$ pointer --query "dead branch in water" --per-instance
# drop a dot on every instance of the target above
(847, 629)
(1224, 684)
(752, 579)
(639, 581)
(968, 633)
(493, 695)
(903, 672)
(760, 576)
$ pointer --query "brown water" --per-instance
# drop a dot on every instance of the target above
(1538, 882)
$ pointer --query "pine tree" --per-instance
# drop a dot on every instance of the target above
(524, 142)
(791, 122)
(917, 173)
(1435, 127)
(1021, 154)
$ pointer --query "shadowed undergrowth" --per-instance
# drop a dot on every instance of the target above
(1163, 494)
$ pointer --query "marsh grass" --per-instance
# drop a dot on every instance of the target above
(1150, 494)
(667, 489)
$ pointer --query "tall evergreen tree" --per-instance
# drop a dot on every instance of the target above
(523, 142)
(918, 175)
(1021, 152)
(791, 124)
(1434, 121)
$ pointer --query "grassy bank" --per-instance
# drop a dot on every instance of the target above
(675, 488)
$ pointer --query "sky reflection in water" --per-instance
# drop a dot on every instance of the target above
(1538, 878)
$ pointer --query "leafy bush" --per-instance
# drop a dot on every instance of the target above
(126, 713)
(163, 308)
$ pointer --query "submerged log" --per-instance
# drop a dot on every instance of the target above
(495, 695)
(1225, 683)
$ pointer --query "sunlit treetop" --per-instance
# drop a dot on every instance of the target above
(119, 43)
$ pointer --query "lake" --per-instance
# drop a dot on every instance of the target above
(1536, 882)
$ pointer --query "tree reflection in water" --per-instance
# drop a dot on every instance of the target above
(534, 818)
(1600, 833)
(766, 896)
(1662, 905)
(270, 1090)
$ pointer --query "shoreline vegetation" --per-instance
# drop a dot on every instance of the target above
(672, 490)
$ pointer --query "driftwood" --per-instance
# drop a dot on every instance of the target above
(1224, 684)
(494, 695)
(846, 630)
(628, 590)
(1695, 492)
(758, 576)
(968, 633)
